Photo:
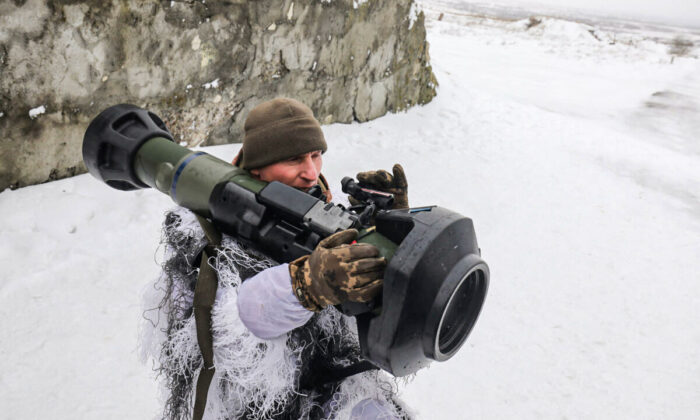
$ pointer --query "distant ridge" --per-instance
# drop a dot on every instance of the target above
(603, 21)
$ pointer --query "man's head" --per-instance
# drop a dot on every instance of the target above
(301, 171)
(283, 142)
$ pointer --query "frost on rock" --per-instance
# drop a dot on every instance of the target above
(357, 3)
(213, 84)
(413, 15)
(35, 112)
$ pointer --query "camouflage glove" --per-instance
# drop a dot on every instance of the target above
(382, 180)
(337, 272)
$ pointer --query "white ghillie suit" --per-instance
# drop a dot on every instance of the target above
(254, 378)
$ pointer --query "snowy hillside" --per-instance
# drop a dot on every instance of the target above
(575, 148)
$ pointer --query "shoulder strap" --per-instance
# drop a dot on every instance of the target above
(339, 373)
(213, 235)
(204, 296)
(321, 375)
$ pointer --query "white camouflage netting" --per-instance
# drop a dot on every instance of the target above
(251, 373)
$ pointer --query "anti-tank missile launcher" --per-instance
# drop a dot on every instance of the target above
(435, 282)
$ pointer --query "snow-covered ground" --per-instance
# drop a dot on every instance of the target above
(576, 151)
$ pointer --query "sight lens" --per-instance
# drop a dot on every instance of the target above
(460, 313)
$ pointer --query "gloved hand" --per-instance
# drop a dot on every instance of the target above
(382, 180)
(337, 272)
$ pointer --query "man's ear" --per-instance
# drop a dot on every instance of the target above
(238, 159)
(255, 173)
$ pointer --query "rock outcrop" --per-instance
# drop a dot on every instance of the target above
(201, 65)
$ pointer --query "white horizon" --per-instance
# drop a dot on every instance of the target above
(684, 13)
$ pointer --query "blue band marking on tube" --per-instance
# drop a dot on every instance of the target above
(419, 209)
(179, 171)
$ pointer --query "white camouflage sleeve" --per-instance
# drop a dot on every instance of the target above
(266, 302)
(267, 305)
(371, 409)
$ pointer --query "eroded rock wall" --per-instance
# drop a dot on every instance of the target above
(201, 65)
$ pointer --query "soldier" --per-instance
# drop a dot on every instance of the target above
(274, 345)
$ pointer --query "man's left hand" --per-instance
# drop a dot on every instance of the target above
(382, 180)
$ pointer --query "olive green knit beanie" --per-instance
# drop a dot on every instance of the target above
(277, 130)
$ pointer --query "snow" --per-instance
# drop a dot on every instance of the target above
(413, 14)
(355, 3)
(666, 12)
(358, 3)
(575, 155)
(678, 12)
(213, 84)
(35, 112)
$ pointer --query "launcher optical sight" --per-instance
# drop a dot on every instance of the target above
(435, 282)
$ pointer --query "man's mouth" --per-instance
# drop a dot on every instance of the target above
(306, 188)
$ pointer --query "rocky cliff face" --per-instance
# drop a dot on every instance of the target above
(201, 65)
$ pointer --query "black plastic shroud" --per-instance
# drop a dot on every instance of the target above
(434, 289)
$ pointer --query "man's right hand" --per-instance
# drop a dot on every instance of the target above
(337, 271)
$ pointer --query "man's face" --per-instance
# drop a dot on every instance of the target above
(299, 172)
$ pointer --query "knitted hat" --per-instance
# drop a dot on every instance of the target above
(277, 130)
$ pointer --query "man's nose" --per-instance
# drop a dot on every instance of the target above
(308, 170)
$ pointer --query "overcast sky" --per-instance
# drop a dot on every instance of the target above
(678, 12)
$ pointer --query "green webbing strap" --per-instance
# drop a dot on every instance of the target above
(204, 295)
